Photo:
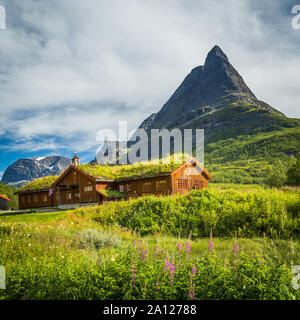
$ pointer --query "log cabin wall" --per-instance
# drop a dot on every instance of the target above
(188, 178)
(75, 187)
(37, 199)
(146, 186)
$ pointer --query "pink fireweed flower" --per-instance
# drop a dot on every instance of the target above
(172, 272)
(191, 294)
(145, 253)
(236, 249)
(211, 246)
(171, 268)
(99, 262)
(133, 272)
(167, 264)
(261, 260)
(179, 247)
(188, 248)
(193, 272)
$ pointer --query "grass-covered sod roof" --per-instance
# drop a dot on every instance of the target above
(127, 171)
(113, 193)
(39, 184)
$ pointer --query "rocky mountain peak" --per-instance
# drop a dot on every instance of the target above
(215, 55)
(205, 91)
(24, 170)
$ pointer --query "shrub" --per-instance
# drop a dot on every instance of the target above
(98, 239)
(227, 213)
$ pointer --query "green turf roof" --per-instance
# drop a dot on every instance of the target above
(39, 184)
(113, 193)
(127, 171)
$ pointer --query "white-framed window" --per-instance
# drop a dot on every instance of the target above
(88, 188)
(69, 195)
(121, 188)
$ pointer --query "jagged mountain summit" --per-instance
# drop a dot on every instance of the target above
(24, 170)
(213, 97)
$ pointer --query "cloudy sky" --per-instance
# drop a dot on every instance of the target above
(69, 68)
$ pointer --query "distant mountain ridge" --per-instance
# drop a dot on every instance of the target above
(25, 170)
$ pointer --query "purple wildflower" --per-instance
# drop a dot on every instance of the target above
(99, 262)
(167, 264)
(211, 246)
(193, 272)
(261, 260)
(171, 268)
(172, 272)
(191, 293)
(188, 248)
(133, 272)
(236, 249)
(179, 247)
(145, 253)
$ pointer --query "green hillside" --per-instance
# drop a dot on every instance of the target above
(244, 159)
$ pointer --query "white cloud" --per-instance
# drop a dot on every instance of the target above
(70, 67)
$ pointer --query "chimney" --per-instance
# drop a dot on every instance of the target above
(75, 160)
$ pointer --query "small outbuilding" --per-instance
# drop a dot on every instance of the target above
(4, 203)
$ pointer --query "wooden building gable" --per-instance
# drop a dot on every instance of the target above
(75, 186)
(190, 176)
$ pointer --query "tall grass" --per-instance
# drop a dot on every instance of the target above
(271, 213)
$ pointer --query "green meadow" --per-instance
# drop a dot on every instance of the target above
(226, 242)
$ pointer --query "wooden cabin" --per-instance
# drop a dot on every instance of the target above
(4, 203)
(82, 185)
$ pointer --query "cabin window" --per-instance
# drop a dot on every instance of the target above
(69, 196)
(45, 198)
(75, 173)
(88, 188)
(182, 184)
(128, 187)
(146, 186)
(35, 198)
(198, 184)
(161, 185)
(121, 188)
